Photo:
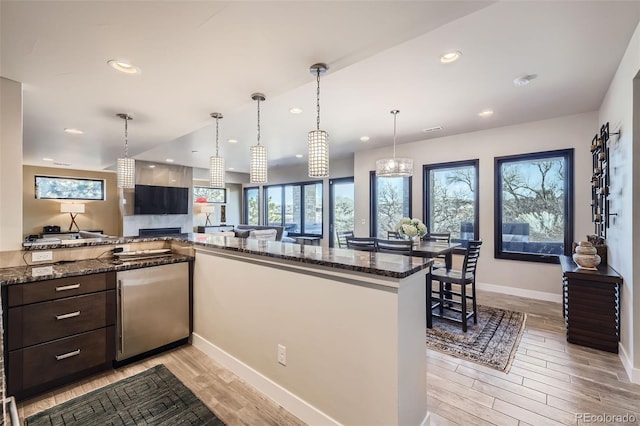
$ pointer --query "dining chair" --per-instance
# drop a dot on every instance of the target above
(393, 235)
(438, 237)
(448, 299)
(341, 236)
(361, 243)
(404, 247)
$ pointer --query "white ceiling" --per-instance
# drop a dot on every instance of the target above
(207, 56)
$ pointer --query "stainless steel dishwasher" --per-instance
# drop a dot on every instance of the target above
(153, 308)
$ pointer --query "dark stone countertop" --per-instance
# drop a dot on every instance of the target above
(32, 273)
(381, 264)
(54, 243)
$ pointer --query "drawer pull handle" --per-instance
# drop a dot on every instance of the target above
(68, 287)
(68, 355)
(69, 315)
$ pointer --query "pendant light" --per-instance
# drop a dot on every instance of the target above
(126, 166)
(216, 163)
(318, 140)
(395, 166)
(258, 160)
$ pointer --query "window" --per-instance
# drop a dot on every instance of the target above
(251, 206)
(451, 199)
(534, 206)
(66, 188)
(390, 202)
(204, 194)
(296, 206)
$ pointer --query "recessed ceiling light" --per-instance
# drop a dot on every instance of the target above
(47, 159)
(295, 110)
(152, 166)
(523, 80)
(298, 155)
(364, 138)
(62, 164)
(232, 140)
(73, 131)
(432, 129)
(449, 57)
(485, 113)
(194, 151)
(123, 66)
(231, 168)
(169, 160)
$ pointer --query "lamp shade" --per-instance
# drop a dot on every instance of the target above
(394, 167)
(318, 153)
(71, 208)
(126, 172)
(207, 208)
(258, 164)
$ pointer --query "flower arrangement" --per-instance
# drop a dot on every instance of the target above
(409, 228)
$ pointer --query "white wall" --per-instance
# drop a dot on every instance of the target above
(10, 165)
(516, 277)
(619, 108)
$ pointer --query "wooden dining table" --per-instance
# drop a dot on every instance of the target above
(434, 249)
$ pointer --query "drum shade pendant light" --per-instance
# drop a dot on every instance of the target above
(216, 163)
(258, 160)
(395, 166)
(318, 140)
(126, 166)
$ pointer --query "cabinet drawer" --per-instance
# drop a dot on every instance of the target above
(22, 294)
(39, 322)
(60, 360)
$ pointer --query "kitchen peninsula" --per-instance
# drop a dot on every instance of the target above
(333, 335)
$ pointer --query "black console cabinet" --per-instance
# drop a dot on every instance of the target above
(591, 305)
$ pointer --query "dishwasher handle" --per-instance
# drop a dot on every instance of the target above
(121, 312)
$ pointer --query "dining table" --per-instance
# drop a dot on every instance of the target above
(435, 249)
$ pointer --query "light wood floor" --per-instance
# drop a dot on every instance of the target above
(549, 383)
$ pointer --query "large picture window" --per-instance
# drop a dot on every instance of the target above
(534, 206)
(390, 201)
(451, 199)
(67, 188)
(251, 206)
(296, 206)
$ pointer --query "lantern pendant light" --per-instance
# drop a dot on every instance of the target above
(258, 160)
(216, 163)
(318, 140)
(395, 166)
(126, 167)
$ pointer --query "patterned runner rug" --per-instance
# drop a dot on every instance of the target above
(492, 342)
(153, 397)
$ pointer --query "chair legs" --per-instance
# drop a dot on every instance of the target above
(445, 301)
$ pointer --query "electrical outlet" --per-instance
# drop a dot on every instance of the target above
(41, 256)
(282, 354)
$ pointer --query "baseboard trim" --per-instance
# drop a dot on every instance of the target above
(531, 294)
(427, 419)
(292, 403)
(633, 373)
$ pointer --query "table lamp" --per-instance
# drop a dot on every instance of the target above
(73, 210)
(208, 209)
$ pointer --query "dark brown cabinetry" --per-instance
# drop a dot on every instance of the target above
(58, 331)
(591, 305)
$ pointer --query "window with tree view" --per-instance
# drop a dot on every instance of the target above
(66, 188)
(534, 205)
(296, 206)
(251, 206)
(451, 199)
(390, 202)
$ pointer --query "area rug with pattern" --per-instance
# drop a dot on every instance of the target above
(492, 342)
(153, 397)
